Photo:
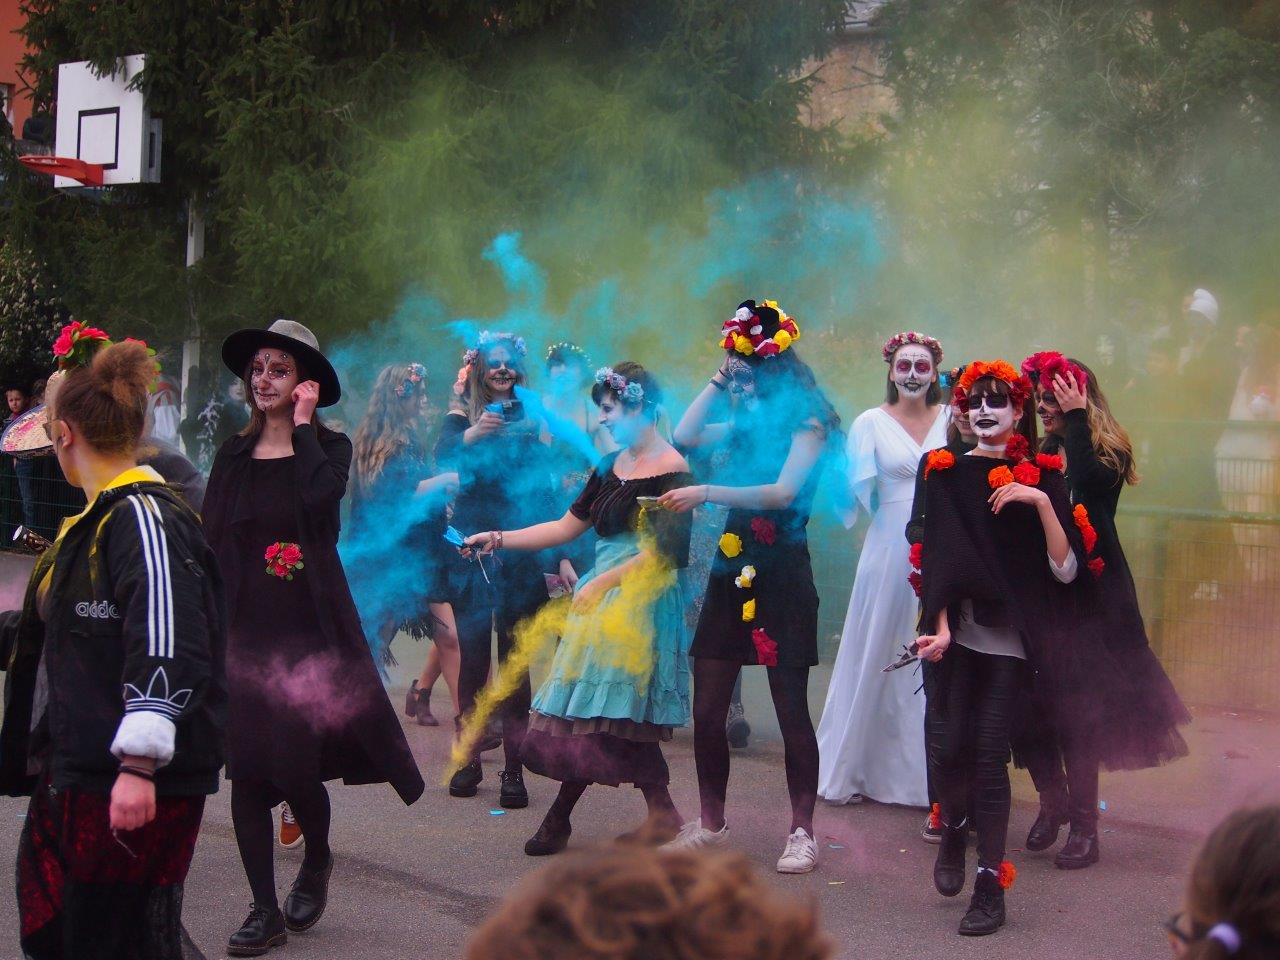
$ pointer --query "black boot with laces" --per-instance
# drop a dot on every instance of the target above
(262, 930)
(948, 869)
(512, 794)
(986, 908)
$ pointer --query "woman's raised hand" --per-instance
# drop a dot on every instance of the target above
(306, 396)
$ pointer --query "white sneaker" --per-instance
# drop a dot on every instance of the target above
(694, 836)
(801, 854)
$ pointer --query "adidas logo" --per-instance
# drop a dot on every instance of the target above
(101, 610)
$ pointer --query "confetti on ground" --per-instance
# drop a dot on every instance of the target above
(835, 846)
(903, 850)
(835, 883)
(1102, 805)
(497, 813)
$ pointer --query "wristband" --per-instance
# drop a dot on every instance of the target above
(715, 383)
(141, 773)
(706, 493)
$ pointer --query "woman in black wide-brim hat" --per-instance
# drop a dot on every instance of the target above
(305, 701)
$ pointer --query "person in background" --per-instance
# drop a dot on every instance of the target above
(113, 723)
(1231, 908)
(628, 903)
(19, 402)
(567, 396)
(306, 702)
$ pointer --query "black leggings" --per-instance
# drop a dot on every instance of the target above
(713, 686)
(476, 626)
(251, 805)
(970, 699)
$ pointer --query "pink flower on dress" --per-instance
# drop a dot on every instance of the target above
(766, 648)
(283, 559)
(764, 530)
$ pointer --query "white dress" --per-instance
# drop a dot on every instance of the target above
(871, 736)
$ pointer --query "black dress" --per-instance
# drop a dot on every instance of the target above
(305, 701)
(775, 543)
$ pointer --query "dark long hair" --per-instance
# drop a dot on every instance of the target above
(786, 386)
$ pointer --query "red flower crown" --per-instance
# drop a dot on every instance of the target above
(744, 331)
(1019, 384)
(1042, 367)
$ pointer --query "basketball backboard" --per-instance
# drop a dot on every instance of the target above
(103, 120)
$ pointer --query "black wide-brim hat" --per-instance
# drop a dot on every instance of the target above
(294, 339)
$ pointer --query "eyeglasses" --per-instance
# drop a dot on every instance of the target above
(1179, 939)
(992, 401)
(922, 367)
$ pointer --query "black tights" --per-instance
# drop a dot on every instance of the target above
(475, 641)
(251, 805)
(713, 685)
(1066, 775)
(969, 705)
(656, 797)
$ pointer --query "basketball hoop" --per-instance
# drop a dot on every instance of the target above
(89, 174)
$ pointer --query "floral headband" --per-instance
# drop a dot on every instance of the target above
(1043, 367)
(77, 344)
(628, 390)
(899, 340)
(1019, 384)
(417, 373)
(744, 331)
(563, 347)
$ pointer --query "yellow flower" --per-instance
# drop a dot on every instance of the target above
(748, 611)
(782, 339)
(748, 574)
(730, 545)
(743, 345)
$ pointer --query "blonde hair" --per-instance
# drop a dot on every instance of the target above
(1110, 440)
(387, 426)
(637, 903)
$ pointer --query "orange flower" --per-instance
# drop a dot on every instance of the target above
(935, 817)
(1008, 873)
(939, 460)
(1001, 476)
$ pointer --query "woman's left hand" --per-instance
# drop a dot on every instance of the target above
(1069, 394)
(683, 499)
(133, 802)
(1016, 493)
(306, 396)
(588, 594)
(568, 574)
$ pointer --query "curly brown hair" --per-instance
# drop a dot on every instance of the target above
(635, 903)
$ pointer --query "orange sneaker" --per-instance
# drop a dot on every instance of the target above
(290, 832)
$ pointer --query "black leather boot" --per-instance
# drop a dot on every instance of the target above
(986, 907)
(466, 782)
(262, 929)
(1080, 850)
(948, 869)
(308, 897)
(1044, 832)
(552, 837)
(512, 795)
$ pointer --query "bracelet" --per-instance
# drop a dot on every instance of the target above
(141, 773)
(706, 493)
(495, 540)
(719, 386)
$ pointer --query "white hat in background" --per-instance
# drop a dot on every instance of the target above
(1204, 303)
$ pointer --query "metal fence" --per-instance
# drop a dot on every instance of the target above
(1201, 532)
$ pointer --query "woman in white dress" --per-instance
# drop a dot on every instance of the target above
(871, 737)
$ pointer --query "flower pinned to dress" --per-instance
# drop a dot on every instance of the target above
(744, 580)
(1007, 875)
(1096, 566)
(283, 559)
(916, 580)
(916, 555)
(730, 545)
(938, 460)
(1017, 449)
(749, 611)
(764, 530)
(1049, 461)
(1027, 473)
(1000, 476)
(1087, 532)
(766, 647)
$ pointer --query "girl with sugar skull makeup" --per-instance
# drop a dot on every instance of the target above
(870, 737)
(1122, 712)
(998, 577)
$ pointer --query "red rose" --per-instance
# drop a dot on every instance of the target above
(273, 550)
(1027, 473)
(1017, 448)
(916, 581)
(917, 554)
(1096, 566)
(93, 333)
(1049, 461)
(291, 554)
(764, 531)
(1090, 536)
(280, 570)
(766, 648)
(62, 346)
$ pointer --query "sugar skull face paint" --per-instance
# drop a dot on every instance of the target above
(1049, 411)
(913, 370)
(992, 417)
(273, 376)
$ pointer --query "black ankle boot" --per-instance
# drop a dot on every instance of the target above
(1080, 850)
(552, 837)
(411, 700)
(308, 897)
(1044, 832)
(466, 782)
(512, 795)
(986, 908)
(948, 869)
(422, 709)
(262, 929)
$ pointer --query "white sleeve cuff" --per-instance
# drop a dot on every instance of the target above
(1067, 572)
(143, 733)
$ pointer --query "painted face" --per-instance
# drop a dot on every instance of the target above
(623, 423)
(501, 370)
(273, 375)
(1049, 411)
(742, 381)
(960, 417)
(913, 370)
(992, 417)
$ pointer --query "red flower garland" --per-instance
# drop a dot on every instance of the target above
(1027, 474)
(766, 647)
(916, 580)
(764, 530)
(938, 460)
(1096, 566)
(1080, 516)
(917, 554)
(1049, 461)
(1018, 448)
